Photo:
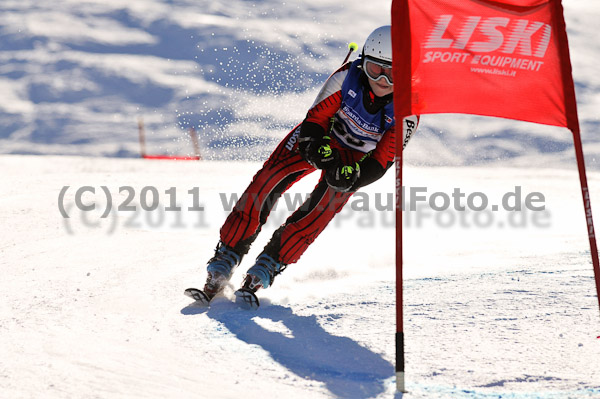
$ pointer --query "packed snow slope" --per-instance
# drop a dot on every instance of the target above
(497, 304)
(77, 75)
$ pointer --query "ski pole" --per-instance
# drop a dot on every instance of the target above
(351, 48)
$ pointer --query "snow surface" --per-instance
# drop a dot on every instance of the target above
(95, 308)
(497, 304)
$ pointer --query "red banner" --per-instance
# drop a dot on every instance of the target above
(504, 58)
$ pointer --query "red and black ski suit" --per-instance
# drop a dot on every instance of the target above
(355, 140)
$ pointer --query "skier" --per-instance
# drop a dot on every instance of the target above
(349, 134)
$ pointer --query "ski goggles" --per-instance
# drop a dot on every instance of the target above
(376, 70)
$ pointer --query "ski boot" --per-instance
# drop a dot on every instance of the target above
(220, 269)
(261, 275)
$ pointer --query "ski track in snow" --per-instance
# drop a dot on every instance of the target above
(95, 311)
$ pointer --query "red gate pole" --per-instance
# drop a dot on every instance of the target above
(400, 387)
(402, 100)
(587, 206)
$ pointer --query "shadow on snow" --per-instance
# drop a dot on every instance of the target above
(347, 369)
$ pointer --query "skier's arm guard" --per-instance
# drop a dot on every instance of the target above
(313, 146)
(310, 134)
(310, 130)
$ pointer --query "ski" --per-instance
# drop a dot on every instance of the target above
(244, 298)
(198, 295)
(247, 299)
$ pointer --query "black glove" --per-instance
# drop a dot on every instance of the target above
(342, 177)
(318, 152)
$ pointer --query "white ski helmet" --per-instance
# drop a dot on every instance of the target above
(379, 44)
